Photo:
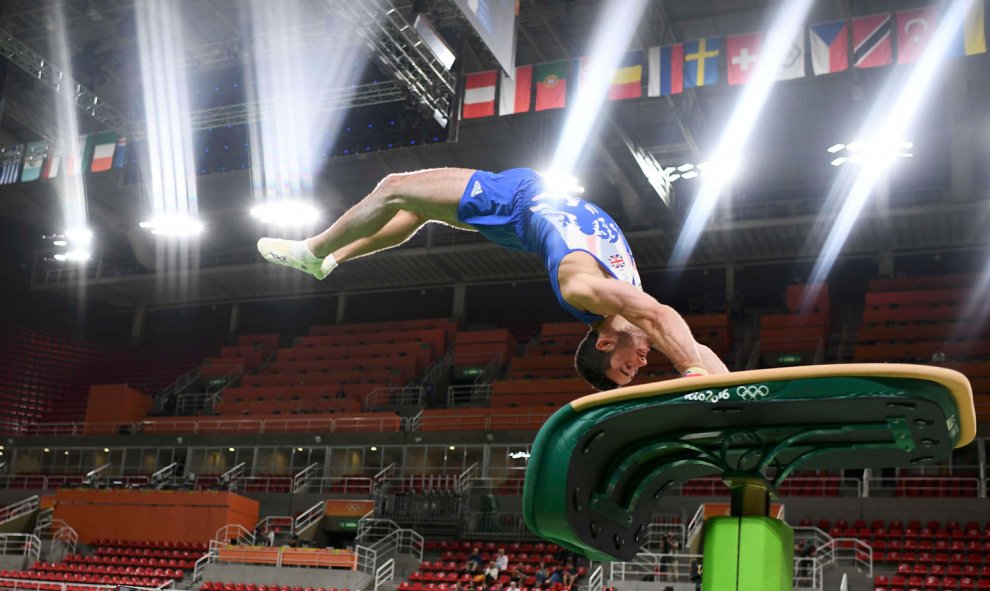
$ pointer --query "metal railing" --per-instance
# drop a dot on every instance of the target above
(925, 486)
(595, 577)
(164, 475)
(385, 573)
(64, 537)
(673, 568)
(469, 395)
(231, 478)
(27, 545)
(385, 397)
(309, 517)
(12, 584)
(465, 478)
(97, 475)
(342, 485)
(20, 508)
(302, 479)
(496, 526)
(846, 552)
(180, 384)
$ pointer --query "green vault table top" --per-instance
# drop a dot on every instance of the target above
(601, 463)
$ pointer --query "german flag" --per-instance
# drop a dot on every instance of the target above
(627, 82)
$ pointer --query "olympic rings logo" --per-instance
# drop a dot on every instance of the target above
(752, 392)
(748, 393)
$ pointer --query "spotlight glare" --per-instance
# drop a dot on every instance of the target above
(561, 183)
(685, 167)
(836, 148)
(689, 174)
(284, 212)
(79, 235)
(175, 225)
(78, 256)
(60, 258)
(60, 243)
(839, 161)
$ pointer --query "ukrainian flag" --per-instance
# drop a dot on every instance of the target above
(973, 37)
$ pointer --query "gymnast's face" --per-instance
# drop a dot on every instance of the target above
(629, 350)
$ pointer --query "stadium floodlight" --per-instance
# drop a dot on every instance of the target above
(176, 225)
(893, 114)
(777, 47)
(879, 151)
(617, 25)
(725, 170)
(286, 212)
(78, 243)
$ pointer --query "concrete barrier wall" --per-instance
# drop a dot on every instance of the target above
(289, 576)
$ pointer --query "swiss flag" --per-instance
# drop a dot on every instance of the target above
(479, 94)
(741, 54)
(914, 30)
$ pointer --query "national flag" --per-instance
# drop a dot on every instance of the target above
(701, 61)
(120, 154)
(514, 94)
(627, 82)
(104, 145)
(10, 163)
(616, 261)
(34, 159)
(914, 30)
(741, 54)
(972, 39)
(52, 162)
(479, 94)
(871, 41)
(830, 47)
(792, 64)
(79, 155)
(665, 70)
(551, 85)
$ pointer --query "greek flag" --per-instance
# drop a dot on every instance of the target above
(10, 163)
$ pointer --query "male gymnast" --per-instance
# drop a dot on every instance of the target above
(590, 266)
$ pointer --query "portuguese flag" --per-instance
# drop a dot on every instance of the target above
(551, 84)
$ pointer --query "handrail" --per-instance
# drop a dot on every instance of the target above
(28, 545)
(465, 477)
(164, 474)
(15, 584)
(303, 477)
(20, 508)
(234, 531)
(468, 394)
(230, 477)
(308, 517)
(385, 572)
(839, 550)
(384, 473)
(177, 386)
(367, 559)
(93, 477)
(596, 578)
(391, 396)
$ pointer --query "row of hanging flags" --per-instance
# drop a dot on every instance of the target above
(862, 42)
(97, 152)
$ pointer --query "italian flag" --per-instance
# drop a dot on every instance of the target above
(551, 85)
(104, 145)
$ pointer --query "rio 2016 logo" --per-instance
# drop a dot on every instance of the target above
(747, 393)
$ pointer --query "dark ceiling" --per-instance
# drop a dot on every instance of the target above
(785, 181)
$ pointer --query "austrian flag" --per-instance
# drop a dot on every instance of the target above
(479, 94)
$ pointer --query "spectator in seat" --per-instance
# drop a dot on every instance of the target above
(501, 560)
(341, 393)
(512, 586)
(542, 575)
(271, 536)
(491, 573)
(474, 561)
(570, 574)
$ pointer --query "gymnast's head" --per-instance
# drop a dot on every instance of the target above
(609, 357)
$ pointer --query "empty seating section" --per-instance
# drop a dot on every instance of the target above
(118, 562)
(288, 556)
(38, 368)
(795, 337)
(923, 319)
(45, 375)
(799, 484)
(479, 348)
(218, 586)
(930, 555)
(322, 382)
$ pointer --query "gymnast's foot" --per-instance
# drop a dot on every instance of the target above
(295, 254)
